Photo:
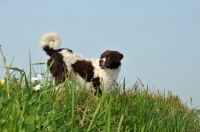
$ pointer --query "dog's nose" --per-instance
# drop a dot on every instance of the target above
(102, 62)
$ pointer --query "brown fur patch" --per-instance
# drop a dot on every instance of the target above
(84, 69)
(58, 68)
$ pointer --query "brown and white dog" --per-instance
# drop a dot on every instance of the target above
(92, 73)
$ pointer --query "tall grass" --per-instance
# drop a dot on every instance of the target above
(136, 110)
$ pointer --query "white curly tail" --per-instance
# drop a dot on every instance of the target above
(50, 39)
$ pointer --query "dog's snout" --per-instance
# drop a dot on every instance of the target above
(101, 61)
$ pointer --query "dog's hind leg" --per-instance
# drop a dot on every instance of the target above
(96, 85)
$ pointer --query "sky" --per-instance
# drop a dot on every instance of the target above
(160, 40)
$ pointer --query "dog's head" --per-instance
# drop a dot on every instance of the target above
(110, 59)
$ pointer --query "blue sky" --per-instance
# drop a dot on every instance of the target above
(160, 40)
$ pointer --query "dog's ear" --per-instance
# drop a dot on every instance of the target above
(104, 53)
(118, 56)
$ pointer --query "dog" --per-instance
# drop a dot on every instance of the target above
(94, 73)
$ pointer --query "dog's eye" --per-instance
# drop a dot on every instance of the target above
(108, 58)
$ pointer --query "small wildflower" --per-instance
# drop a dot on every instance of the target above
(39, 78)
(37, 87)
(2, 82)
(33, 79)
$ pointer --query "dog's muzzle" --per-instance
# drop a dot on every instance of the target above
(102, 63)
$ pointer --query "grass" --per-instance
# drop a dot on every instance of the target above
(136, 110)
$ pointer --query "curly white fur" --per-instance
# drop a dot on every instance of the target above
(51, 39)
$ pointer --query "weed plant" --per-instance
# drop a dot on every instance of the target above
(74, 109)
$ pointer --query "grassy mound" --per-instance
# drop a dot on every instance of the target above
(79, 110)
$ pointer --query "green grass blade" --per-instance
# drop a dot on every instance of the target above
(120, 123)
(7, 73)
(72, 103)
(39, 63)
(95, 113)
(27, 84)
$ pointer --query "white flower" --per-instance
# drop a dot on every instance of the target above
(39, 78)
(33, 79)
(37, 87)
